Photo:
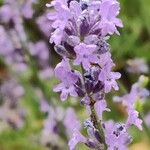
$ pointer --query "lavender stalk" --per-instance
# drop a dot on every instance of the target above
(80, 34)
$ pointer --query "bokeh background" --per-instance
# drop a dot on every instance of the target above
(26, 73)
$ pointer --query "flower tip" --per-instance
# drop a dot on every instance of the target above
(48, 5)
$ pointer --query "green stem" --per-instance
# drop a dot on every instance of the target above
(96, 122)
(98, 125)
(122, 87)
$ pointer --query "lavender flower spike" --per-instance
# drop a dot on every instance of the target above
(80, 29)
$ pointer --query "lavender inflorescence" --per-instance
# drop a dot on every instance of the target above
(81, 29)
(17, 53)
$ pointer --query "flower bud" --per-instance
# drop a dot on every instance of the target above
(91, 144)
(88, 85)
(97, 136)
(103, 46)
(98, 87)
(73, 40)
(79, 91)
(70, 50)
(84, 6)
(84, 27)
(61, 51)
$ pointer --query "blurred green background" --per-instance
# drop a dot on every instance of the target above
(133, 42)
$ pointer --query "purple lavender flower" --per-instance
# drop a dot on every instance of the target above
(11, 112)
(109, 9)
(45, 107)
(44, 24)
(65, 90)
(75, 18)
(138, 92)
(137, 65)
(5, 13)
(13, 118)
(109, 78)
(46, 73)
(71, 122)
(60, 18)
(27, 9)
(85, 55)
(77, 138)
(56, 36)
(75, 9)
(80, 30)
(8, 11)
(68, 78)
(116, 136)
(12, 46)
(58, 117)
(85, 100)
(92, 141)
(11, 90)
(50, 134)
(100, 107)
(133, 119)
(40, 51)
(5, 43)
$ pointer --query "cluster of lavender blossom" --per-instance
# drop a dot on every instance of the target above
(14, 41)
(17, 52)
(21, 55)
(137, 66)
(11, 92)
(11, 111)
(11, 30)
(81, 29)
(57, 125)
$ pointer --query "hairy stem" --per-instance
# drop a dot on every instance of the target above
(96, 122)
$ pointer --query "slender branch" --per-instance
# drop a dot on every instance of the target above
(96, 122)
(146, 128)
